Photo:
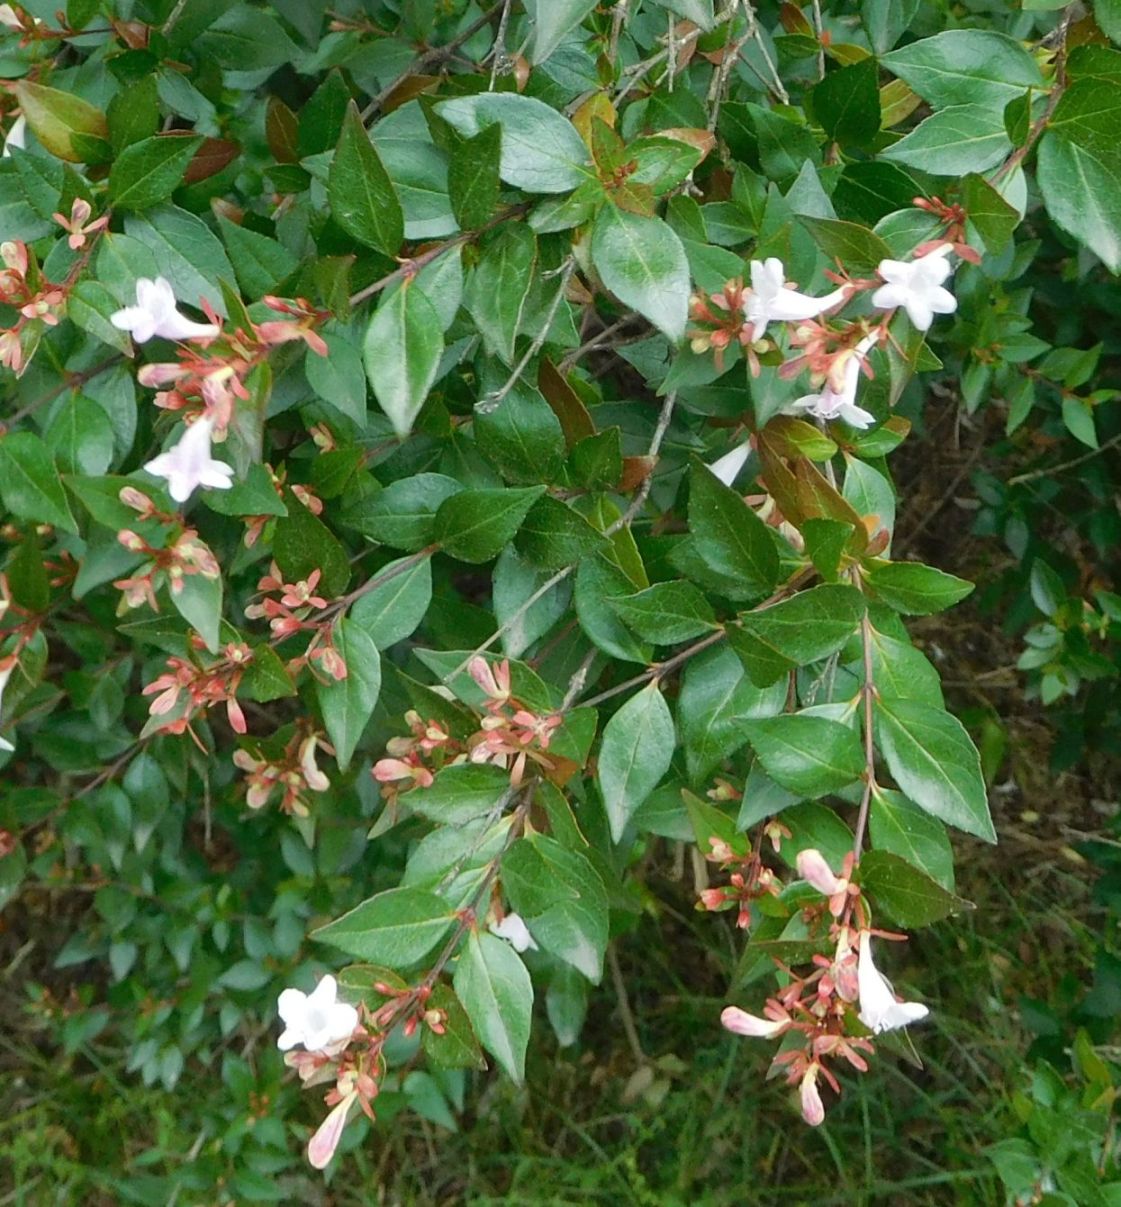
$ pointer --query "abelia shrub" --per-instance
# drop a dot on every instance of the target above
(447, 457)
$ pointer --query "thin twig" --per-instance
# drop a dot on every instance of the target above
(625, 1014)
(492, 401)
(499, 58)
(1063, 466)
(433, 58)
(869, 692)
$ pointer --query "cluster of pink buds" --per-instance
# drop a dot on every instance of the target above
(834, 1005)
(720, 320)
(174, 563)
(187, 688)
(37, 301)
(295, 773)
(511, 734)
(749, 878)
(290, 612)
(408, 759)
(214, 377)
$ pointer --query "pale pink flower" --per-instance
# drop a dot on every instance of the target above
(880, 1009)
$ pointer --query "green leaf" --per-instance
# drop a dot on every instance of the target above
(260, 263)
(643, 263)
(903, 829)
(667, 612)
(456, 1047)
(266, 678)
(914, 589)
(638, 744)
(89, 305)
(497, 291)
(898, 669)
(573, 926)
(809, 756)
(954, 141)
(29, 483)
(339, 378)
(716, 698)
(907, 895)
(303, 543)
(391, 611)
(541, 149)
(993, 217)
(403, 514)
(199, 602)
(246, 39)
(460, 793)
(966, 66)
(599, 579)
(363, 200)
(148, 172)
(847, 104)
(698, 11)
(473, 179)
(397, 928)
(555, 535)
(81, 436)
(347, 704)
(858, 249)
(552, 21)
(729, 536)
(521, 437)
(492, 983)
(935, 763)
(810, 626)
(1082, 192)
(402, 350)
(67, 126)
(476, 525)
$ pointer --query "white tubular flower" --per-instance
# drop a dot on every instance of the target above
(155, 314)
(727, 467)
(515, 932)
(317, 1019)
(16, 136)
(5, 675)
(834, 403)
(738, 1021)
(916, 285)
(880, 1010)
(188, 464)
(771, 302)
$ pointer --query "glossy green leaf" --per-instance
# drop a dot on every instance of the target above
(397, 928)
(729, 535)
(635, 753)
(643, 263)
(402, 350)
(29, 482)
(476, 525)
(935, 763)
(363, 200)
(347, 704)
(492, 983)
(148, 172)
(906, 894)
(809, 756)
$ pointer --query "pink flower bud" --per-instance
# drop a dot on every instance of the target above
(741, 1023)
(321, 1147)
(813, 1109)
(815, 871)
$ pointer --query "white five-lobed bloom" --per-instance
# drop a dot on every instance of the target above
(317, 1019)
(155, 314)
(189, 465)
(727, 467)
(917, 286)
(771, 302)
(5, 675)
(879, 1009)
(515, 932)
